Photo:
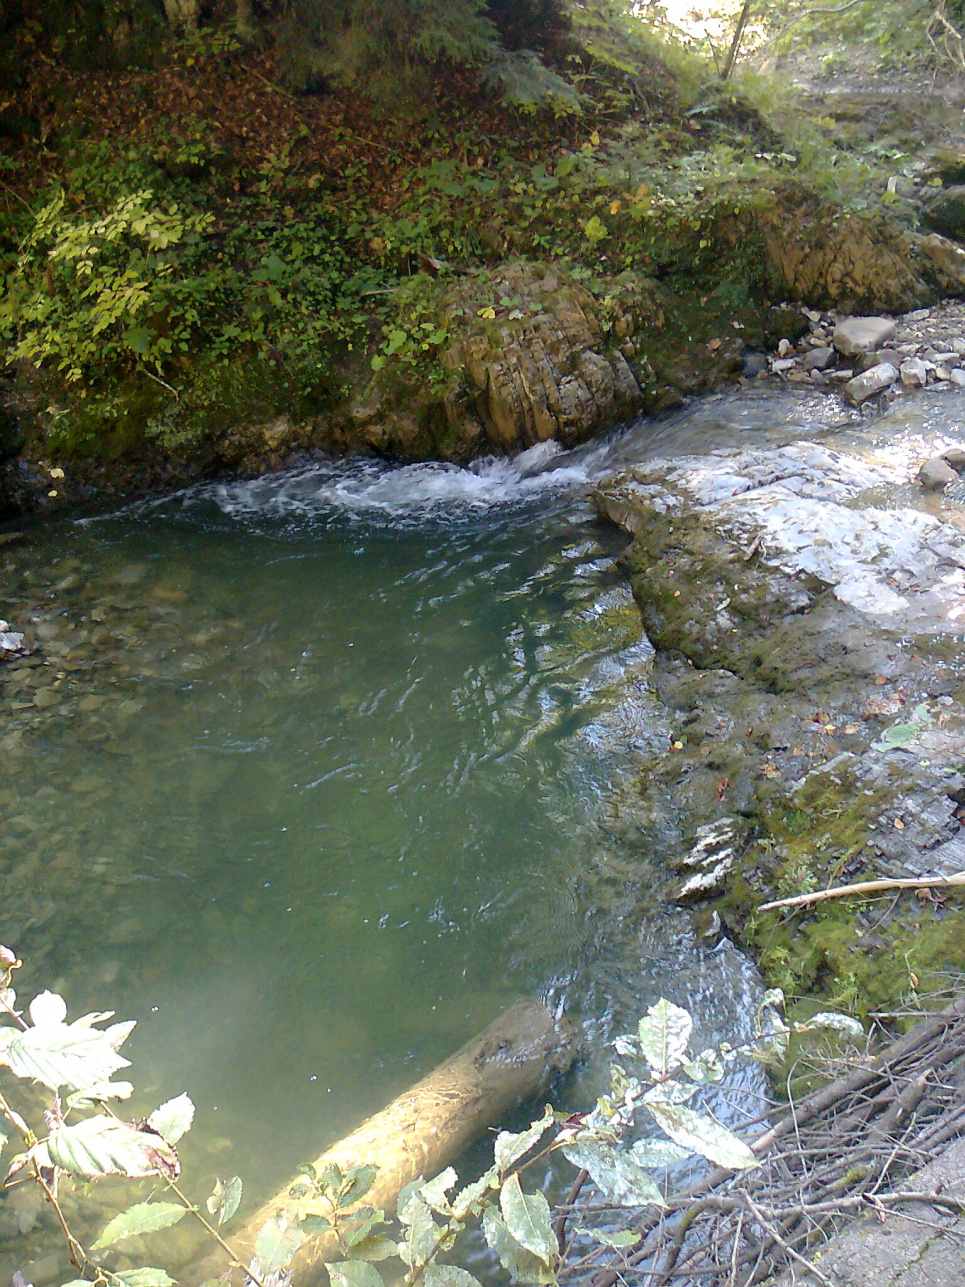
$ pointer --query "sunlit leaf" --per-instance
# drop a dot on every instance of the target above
(100, 1094)
(515, 1259)
(225, 1199)
(276, 1245)
(421, 1232)
(144, 1217)
(618, 1176)
(664, 1033)
(659, 1153)
(528, 1219)
(705, 1068)
(843, 1023)
(48, 1010)
(173, 1119)
(468, 1198)
(434, 1191)
(103, 1146)
(510, 1148)
(354, 1273)
(702, 1134)
(62, 1055)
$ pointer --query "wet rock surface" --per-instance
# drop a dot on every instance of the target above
(807, 604)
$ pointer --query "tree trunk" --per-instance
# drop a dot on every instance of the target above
(427, 1127)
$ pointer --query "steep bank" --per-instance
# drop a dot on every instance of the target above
(257, 274)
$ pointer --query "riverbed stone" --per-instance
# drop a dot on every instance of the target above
(914, 373)
(875, 380)
(863, 334)
(955, 456)
(819, 359)
(936, 474)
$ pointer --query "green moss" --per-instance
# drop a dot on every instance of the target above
(862, 954)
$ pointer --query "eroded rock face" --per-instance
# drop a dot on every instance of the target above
(864, 262)
(560, 368)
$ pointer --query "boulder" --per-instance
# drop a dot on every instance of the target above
(863, 334)
(935, 474)
(946, 262)
(870, 382)
(955, 456)
(946, 214)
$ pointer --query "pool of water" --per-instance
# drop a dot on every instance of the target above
(309, 784)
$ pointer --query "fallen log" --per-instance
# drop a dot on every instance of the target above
(426, 1128)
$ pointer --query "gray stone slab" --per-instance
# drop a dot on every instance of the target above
(918, 1246)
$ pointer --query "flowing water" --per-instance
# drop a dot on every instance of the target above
(310, 786)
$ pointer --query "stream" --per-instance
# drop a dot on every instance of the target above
(311, 782)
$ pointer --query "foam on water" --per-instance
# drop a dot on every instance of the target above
(376, 489)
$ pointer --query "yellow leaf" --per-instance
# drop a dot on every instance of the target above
(487, 312)
(899, 825)
(56, 473)
(595, 139)
(615, 206)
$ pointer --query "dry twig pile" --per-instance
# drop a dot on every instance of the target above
(846, 1149)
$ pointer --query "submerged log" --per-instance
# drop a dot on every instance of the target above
(427, 1127)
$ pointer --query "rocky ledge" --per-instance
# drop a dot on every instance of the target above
(807, 604)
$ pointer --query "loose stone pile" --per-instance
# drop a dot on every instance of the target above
(862, 357)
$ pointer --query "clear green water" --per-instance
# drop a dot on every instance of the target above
(309, 785)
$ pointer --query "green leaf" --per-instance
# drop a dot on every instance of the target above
(354, 1273)
(377, 1248)
(510, 1148)
(103, 1146)
(360, 1180)
(625, 1238)
(705, 1068)
(145, 1277)
(173, 1119)
(664, 1034)
(703, 1135)
(617, 1175)
(138, 338)
(276, 1245)
(62, 1055)
(225, 1199)
(143, 1217)
(516, 1260)
(370, 1219)
(315, 1225)
(448, 1276)
(528, 1219)
(378, 361)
